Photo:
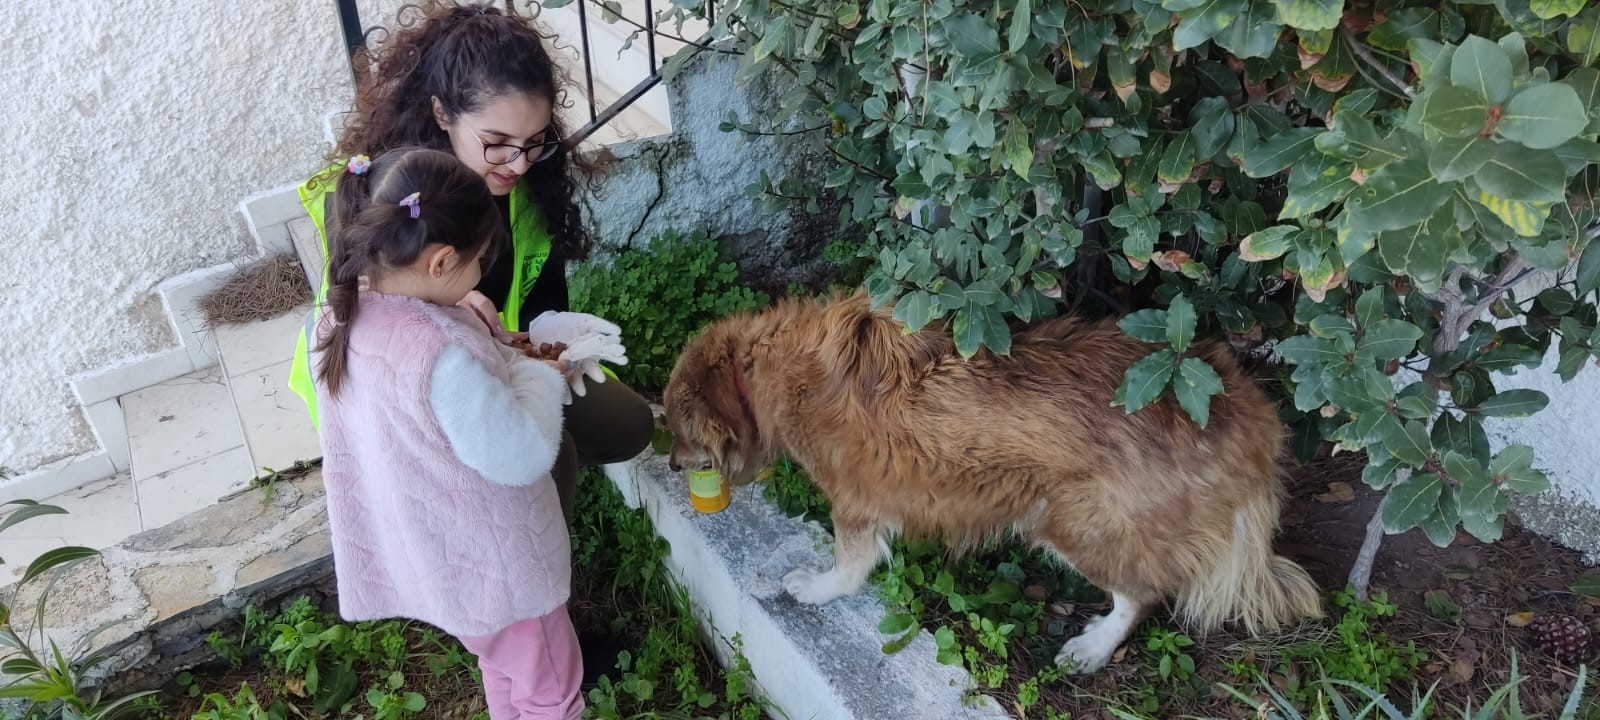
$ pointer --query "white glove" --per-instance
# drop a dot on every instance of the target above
(527, 385)
(568, 328)
(585, 356)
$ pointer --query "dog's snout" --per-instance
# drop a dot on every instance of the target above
(673, 464)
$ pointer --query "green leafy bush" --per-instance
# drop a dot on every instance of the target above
(1362, 184)
(660, 296)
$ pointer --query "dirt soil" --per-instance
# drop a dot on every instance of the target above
(1497, 586)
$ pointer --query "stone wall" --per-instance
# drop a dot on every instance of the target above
(695, 180)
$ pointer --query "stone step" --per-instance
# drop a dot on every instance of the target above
(812, 662)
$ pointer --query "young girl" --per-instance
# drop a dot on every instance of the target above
(438, 440)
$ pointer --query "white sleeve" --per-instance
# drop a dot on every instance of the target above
(493, 428)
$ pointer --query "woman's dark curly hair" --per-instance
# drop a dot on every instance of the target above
(465, 55)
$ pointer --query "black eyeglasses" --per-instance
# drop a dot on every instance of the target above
(506, 153)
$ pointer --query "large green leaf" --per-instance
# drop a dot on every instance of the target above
(1404, 25)
(1177, 161)
(1547, 9)
(1456, 112)
(972, 36)
(980, 325)
(1410, 502)
(1279, 152)
(1201, 20)
(1389, 340)
(1409, 443)
(1303, 349)
(1583, 36)
(1181, 321)
(27, 511)
(1310, 14)
(1021, 25)
(1464, 435)
(1455, 159)
(1254, 33)
(1422, 250)
(1268, 244)
(1440, 526)
(1399, 196)
(1524, 218)
(1544, 116)
(1514, 403)
(1314, 184)
(1145, 381)
(1513, 469)
(52, 559)
(1482, 66)
(1195, 385)
(1212, 123)
(914, 310)
(1147, 325)
(1518, 173)
(1588, 274)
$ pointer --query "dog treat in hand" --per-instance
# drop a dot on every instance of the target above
(542, 351)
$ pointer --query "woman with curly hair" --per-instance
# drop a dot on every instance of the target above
(480, 83)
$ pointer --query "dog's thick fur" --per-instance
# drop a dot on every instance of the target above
(904, 436)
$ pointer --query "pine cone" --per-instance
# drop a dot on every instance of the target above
(1564, 638)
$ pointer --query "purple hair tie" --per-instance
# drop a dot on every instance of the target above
(413, 201)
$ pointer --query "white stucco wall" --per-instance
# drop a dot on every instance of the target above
(135, 128)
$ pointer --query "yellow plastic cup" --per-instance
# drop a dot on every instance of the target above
(708, 492)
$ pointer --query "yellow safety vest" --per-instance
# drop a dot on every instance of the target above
(530, 248)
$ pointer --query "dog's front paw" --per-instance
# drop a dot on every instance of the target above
(1087, 653)
(811, 588)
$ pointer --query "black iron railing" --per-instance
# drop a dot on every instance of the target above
(355, 38)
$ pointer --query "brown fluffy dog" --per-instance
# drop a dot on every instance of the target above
(904, 436)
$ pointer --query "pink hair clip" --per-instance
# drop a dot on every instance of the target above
(413, 201)
(359, 164)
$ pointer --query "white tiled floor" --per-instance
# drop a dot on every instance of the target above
(188, 445)
(277, 428)
(176, 493)
(180, 422)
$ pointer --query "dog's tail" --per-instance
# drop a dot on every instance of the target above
(1249, 584)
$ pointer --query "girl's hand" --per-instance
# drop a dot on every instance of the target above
(484, 308)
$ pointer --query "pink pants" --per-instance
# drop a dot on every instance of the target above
(532, 669)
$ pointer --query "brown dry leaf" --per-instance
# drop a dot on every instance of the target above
(1338, 492)
(1160, 82)
(1121, 653)
(1307, 59)
(1520, 620)
(1461, 670)
(295, 686)
(1125, 91)
(1036, 593)
(1170, 260)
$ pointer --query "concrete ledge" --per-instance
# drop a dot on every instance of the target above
(812, 663)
